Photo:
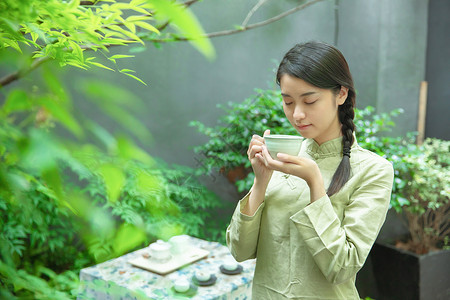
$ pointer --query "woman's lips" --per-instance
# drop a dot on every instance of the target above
(303, 127)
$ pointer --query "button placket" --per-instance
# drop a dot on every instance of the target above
(289, 181)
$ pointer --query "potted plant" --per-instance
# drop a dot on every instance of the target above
(420, 190)
(416, 266)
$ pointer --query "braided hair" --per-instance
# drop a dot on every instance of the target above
(325, 67)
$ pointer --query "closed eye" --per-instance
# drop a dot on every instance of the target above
(288, 103)
(311, 102)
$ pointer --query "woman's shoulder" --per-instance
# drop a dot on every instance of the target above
(368, 159)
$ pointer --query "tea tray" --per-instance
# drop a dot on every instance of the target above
(177, 261)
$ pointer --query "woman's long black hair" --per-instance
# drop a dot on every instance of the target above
(325, 67)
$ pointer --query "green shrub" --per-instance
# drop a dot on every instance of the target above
(43, 235)
(66, 203)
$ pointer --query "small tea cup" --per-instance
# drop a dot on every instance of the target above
(279, 143)
(181, 285)
(230, 265)
(179, 243)
(202, 275)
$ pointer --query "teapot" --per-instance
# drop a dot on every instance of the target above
(160, 251)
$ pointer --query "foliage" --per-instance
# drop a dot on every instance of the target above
(66, 205)
(427, 191)
(421, 184)
(64, 30)
(72, 193)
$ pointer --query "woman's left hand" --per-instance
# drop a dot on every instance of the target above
(302, 167)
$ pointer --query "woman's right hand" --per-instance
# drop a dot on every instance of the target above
(262, 174)
(254, 152)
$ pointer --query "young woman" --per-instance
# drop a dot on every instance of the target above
(310, 220)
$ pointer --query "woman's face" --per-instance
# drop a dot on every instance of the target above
(311, 110)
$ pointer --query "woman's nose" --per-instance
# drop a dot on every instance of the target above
(299, 113)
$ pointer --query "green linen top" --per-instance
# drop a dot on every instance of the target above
(313, 251)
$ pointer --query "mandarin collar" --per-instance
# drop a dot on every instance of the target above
(330, 148)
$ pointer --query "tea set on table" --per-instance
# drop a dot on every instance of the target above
(161, 253)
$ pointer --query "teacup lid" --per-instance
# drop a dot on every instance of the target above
(160, 246)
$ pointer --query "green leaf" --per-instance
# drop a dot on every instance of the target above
(12, 43)
(127, 70)
(99, 65)
(52, 178)
(132, 76)
(73, 4)
(77, 51)
(128, 150)
(185, 22)
(137, 18)
(147, 26)
(114, 180)
(127, 238)
(34, 36)
(129, 34)
(131, 26)
(137, 49)
(120, 56)
(114, 41)
(17, 100)
(146, 183)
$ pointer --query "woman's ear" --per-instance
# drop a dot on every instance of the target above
(342, 96)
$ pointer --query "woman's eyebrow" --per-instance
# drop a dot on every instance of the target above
(302, 95)
(307, 94)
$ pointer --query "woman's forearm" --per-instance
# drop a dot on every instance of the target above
(316, 187)
(257, 194)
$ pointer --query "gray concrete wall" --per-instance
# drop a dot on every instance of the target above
(437, 71)
(386, 45)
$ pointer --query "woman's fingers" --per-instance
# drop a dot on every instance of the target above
(272, 163)
(255, 146)
(256, 141)
(286, 158)
(253, 150)
(284, 162)
(261, 158)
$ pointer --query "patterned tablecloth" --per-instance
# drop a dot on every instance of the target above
(118, 279)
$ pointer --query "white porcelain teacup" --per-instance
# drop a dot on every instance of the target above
(230, 265)
(202, 275)
(179, 243)
(279, 143)
(181, 285)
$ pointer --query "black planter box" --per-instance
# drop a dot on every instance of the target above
(403, 275)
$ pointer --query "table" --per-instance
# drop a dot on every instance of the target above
(118, 279)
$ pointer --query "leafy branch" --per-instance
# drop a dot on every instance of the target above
(69, 29)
